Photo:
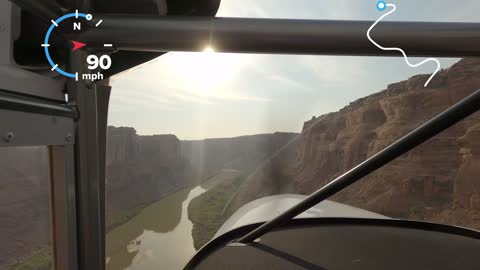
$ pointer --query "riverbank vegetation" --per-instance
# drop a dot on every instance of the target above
(208, 211)
(120, 217)
(40, 259)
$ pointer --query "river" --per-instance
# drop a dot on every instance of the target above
(160, 237)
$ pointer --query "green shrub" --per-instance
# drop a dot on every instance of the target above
(40, 259)
(207, 211)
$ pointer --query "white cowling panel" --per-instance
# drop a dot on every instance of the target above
(267, 208)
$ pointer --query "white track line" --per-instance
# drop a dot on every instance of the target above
(400, 50)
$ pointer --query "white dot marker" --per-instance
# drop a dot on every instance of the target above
(381, 5)
(54, 67)
(89, 17)
(54, 23)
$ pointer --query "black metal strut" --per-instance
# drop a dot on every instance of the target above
(15, 102)
(283, 36)
(45, 10)
(441, 122)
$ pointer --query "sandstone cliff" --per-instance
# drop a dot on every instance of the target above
(438, 181)
(122, 144)
(243, 153)
(142, 169)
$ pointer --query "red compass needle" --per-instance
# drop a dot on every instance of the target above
(77, 45)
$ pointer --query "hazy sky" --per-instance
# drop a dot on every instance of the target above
(208, 95)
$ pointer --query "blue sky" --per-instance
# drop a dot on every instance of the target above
(211, 95)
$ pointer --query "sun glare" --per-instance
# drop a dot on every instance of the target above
(209, 49)
(208, 70)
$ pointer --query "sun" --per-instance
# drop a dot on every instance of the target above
(209, 49)
(206, 70)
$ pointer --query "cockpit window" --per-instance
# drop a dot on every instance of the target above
(205, 134)
(195, 138)
(205, 143)
(445, 10)
(25, 226)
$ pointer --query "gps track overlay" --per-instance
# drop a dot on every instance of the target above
(381, 6)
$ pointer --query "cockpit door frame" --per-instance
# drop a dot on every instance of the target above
(27, 121)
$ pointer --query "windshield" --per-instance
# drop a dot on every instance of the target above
(199, 143)
(194, 137)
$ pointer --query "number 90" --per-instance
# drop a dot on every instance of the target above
(104, 61)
